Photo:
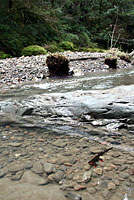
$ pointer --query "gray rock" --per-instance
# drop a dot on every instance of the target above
(73, 196)
(124, 175)
(37, 168)
(49, 168)
(2, 173)
(111, 186)
(87, 176)
(32, 178)
(58, 176)
(123, 167)
(17, 176)
(29, 165)
(59, 143)
(15, 168)
(15, 144)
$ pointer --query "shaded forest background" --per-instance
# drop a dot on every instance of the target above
(85, 23)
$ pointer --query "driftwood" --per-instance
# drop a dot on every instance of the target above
(97, 158)
(85, 58)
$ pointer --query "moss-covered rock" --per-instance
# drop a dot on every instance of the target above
(4, 55)
(33, 50)
(66, 45)
(58, 65)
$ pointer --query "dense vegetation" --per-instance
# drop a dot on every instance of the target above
(85, 23)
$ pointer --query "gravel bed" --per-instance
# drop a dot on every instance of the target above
(25, 69)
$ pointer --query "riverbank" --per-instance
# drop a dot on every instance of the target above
(30, 69)
(54, 166)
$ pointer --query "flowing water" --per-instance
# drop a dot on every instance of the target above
(88, 82)
(61, 125)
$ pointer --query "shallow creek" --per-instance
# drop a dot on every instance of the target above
(57, 119)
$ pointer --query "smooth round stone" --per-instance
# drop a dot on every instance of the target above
(37, 168)
(123, 167)
(29, 165)
(49, 168)
(123, 175)
(15, 168)
(15, 144)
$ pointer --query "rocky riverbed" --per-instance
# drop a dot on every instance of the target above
(37, 165)
(27, 69)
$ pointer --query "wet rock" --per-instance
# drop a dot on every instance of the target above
(87, 176)
(111, 186)
(49, 168)
(60, 143)
(124, 175)
(73, 196)
(29, 165)
(123, 167)
(79, 187)
(87, 196)
(58, 176)
(2, 173)
(15, 144)
(17, 176)
(98, 171)
(15, 168)
(32, 178)
(37, 168)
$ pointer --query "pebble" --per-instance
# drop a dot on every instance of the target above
(98, 171)
(79, 187)
(17, 176)
(37, 168)
(59, 143)
(124, 175)
(2, 173)
(49, 168)
(87, 176)
(15, 168)
(15, 144)
(111, 186)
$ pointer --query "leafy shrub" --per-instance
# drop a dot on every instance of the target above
(52, 48)
(4, 55)
(66, 45)
(33, 50)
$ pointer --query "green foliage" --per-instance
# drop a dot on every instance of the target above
(33, 50)
(4, 55)
(84, 23)
(52, 48)
(66, 45)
